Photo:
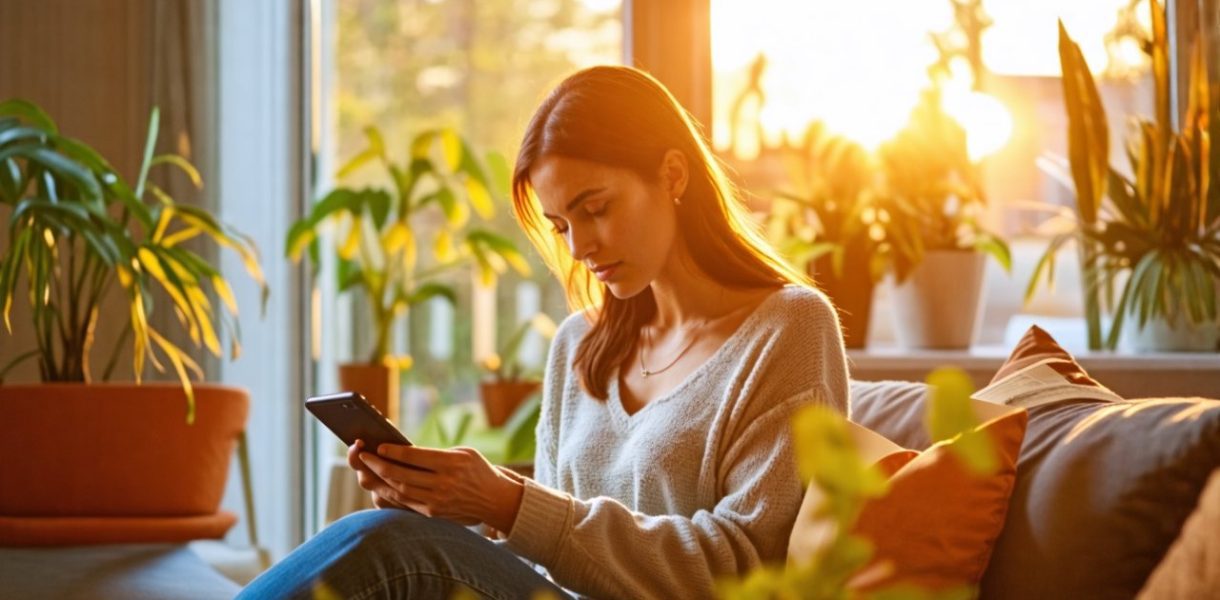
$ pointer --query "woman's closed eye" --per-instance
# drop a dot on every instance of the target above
(595, 208)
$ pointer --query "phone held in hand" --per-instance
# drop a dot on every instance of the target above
(349, 416)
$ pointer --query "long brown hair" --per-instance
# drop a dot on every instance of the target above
(622, 117)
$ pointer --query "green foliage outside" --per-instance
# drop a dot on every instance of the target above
(478, 68)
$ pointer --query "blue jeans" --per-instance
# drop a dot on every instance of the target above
(392, 553)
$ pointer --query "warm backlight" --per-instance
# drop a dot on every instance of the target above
(859, 66)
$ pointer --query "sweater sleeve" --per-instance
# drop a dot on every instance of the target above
(599, 547)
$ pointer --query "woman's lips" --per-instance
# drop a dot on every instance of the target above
(605, 272)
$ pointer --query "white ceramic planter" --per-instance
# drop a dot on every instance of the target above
(939, 306)
(1159, 335)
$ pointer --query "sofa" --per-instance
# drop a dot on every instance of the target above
(1111, 497)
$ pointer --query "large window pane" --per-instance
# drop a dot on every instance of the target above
(859, 68)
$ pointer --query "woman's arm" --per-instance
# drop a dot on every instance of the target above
(600, 547)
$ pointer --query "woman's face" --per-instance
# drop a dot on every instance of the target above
(621, 226)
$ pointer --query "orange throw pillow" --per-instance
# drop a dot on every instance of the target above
(938, 524)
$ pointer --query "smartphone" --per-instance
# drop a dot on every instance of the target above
(349, 416)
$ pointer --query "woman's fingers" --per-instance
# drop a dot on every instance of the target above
(391, 472)
(432, 459)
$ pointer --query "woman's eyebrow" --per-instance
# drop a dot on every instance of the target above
(575, 201)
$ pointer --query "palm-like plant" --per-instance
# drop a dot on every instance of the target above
(380, 227)
(75, 227)
(1159, 228)
(933, 190)
(831, 212)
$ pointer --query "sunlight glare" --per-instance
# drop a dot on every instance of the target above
(857, 67)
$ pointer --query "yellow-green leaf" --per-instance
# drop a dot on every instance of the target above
(181, 362)
(225, 292)
(452, 145)
(395, 237)
(480, 199)
(949, 412)
(443, 246)
(199, 302)
(352, 244)
(183, 164)
(300, 244)
(178, 237)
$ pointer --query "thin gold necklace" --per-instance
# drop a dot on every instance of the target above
(645, 371)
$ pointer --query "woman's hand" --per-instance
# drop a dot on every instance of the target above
(457, 484)
(367, 479)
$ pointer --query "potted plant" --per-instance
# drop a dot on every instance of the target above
(379, 230)
(831, 224)
(76, 228)
(1156, 234)
(510, 385)
(937, 242)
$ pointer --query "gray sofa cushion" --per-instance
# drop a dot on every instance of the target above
(1103, 487)
(121, 571)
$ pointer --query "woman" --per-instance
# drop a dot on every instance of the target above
(664, 459)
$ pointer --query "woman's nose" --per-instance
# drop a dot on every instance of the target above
(581, 242)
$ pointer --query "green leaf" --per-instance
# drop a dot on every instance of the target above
(501, 246)
(14, 134)
(428, 291)
(521, 426)
(349, 167)
(949, 413)
(1046, 263)
(338, 199)
(500, 173)
(150, 142)
(996, 247)
(378, 204)
(76, 174)
(183, 165)
(30, 112)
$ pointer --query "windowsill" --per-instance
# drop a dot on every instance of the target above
(1131, 375)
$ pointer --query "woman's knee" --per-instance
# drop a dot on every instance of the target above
(389, 532)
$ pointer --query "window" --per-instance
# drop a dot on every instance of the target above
(482, 68)
(859, 68)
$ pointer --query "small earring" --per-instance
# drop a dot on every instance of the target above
(677, 202)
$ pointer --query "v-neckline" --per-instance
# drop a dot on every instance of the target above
(616, 396)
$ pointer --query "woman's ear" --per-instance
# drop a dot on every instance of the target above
(675, 173)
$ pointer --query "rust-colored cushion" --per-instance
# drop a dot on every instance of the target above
(84, 531)
(1191, 569)
(936, 526)
(938, 523)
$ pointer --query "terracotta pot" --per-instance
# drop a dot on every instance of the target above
(501, 398)
(852, 294)
(115, 462)
(939, 306)
(377, 383)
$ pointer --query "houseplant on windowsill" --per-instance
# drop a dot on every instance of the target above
(1155, 235)
(937, 243)
(830, 224)
(71, 444)
(379, 229)
(510, 384)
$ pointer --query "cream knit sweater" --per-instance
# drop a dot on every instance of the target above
(699, 483)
